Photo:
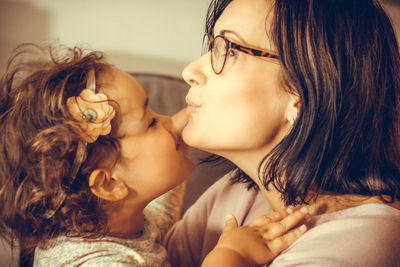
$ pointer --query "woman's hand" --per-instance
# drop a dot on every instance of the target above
(259, 242)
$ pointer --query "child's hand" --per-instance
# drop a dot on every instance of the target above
(257, 243)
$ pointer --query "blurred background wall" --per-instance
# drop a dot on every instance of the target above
(392, 7)
(160, 36)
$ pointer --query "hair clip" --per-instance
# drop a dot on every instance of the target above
(89, 114)
(81, 148)
(93, 113)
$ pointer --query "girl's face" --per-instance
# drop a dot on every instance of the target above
(243, 108)
(153, 160)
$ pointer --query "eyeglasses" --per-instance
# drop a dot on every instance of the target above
(220, 47)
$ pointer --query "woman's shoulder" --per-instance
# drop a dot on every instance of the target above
(366, 235)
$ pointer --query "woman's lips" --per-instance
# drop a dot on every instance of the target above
(191, 106)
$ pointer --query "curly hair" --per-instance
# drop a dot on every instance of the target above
(39, 197)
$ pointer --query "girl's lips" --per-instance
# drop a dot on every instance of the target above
(179, 143)
(182, 147)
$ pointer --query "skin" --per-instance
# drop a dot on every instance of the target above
(153, 157)
(224, 106)
(257, 243)
(242, 113)
(153, 161)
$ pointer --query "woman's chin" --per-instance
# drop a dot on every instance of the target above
(187, 136)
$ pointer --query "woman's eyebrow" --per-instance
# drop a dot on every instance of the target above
(232, 33)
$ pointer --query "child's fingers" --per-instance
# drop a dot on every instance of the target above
(278, 228)
(277, 215)
(269, 218)
(230, 222)
(280, 243)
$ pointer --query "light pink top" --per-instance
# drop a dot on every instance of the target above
(367, 235)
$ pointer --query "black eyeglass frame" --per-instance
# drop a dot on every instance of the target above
(233, 45)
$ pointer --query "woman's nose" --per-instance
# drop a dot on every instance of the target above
(194, 73)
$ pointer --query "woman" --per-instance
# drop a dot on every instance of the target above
(302, 96)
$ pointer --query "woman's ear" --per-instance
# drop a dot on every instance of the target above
(293, 108)
(103, 185)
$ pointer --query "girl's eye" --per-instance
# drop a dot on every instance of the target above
(153, 122)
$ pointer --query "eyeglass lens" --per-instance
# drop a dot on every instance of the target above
(219, 50)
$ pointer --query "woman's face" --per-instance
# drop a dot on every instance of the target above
(243, 108)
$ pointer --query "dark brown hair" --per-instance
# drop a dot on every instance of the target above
(39, 197)
(342, 59)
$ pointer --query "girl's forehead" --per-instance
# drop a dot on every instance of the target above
(121, 87)
(131, 98)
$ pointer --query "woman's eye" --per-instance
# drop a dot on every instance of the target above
(153, 122)
(231, 53)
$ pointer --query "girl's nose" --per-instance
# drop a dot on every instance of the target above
(179, 121)
(194, 73)
(166, 122)
(169, 125)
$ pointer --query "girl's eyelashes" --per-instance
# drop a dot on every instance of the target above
(153, 122)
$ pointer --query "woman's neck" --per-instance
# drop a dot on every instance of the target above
(322, 204)
(248, 161)
(328, 203)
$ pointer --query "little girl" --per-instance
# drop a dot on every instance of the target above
(85, 165)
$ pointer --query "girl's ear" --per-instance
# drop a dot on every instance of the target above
(292, 108)
(103, 185)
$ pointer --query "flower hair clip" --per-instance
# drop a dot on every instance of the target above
(93, 114)
(92, 111)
